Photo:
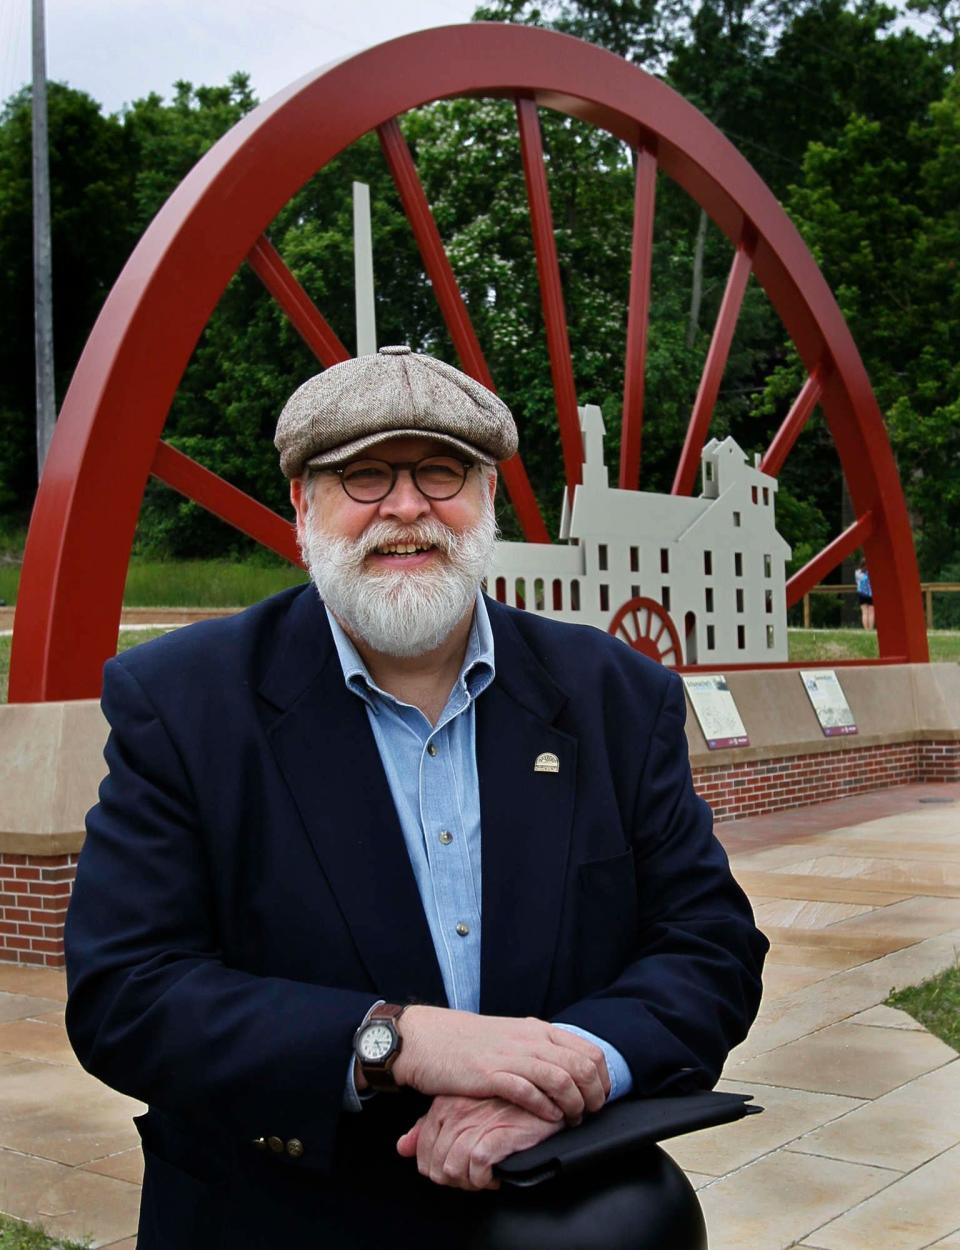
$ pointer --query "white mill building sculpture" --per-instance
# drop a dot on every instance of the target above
(686, 581)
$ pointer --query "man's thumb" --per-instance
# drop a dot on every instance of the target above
(407, 1145)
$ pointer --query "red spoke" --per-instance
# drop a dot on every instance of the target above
(793, 423)
(234, 506)
(638, 316)
(834, 553)
(551, 291)
(264, 259)
(716, 362)
(454, 311)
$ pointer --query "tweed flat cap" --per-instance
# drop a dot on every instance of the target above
(353, 405)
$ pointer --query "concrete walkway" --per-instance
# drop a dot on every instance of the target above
(859, 1146)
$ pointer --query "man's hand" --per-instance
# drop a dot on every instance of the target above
(460, 1139)
(545, 1070)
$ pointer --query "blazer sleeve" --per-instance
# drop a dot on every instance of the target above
(153, 1010)
(692, 988)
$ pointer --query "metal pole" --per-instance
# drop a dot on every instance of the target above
(363, 271)
(42, 285)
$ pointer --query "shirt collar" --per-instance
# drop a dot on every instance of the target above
(476, 672)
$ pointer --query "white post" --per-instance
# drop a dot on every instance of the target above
(363, 271)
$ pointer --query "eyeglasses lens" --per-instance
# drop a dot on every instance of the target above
(437, 477)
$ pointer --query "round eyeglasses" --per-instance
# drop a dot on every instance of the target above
(369, 481)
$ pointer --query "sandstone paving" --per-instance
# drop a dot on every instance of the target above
(20, 1006)
(896, 849)
(838, 997)
(62, 1114)
(805, 913)
(125, 1166)
(869, 945)
(785, 979)
(778, 1200)
(847, 1059)
(857, 913)
(822, 888)
(867, 869)
(901, 1129)
(37, 982)
(698, 1179)
(787, 1115)
(66, 1201)
(43, 1038)
(917, 1209)
(808, 955)
(923, 916)
(887, 1018)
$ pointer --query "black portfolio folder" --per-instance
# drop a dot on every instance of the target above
(621, 1127)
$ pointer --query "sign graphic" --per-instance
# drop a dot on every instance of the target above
(829, 701)
(716, 711)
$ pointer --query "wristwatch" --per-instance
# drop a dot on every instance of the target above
(376, 1045)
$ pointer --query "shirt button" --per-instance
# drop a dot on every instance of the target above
(431, 749)
(446, 837)
(462, 929)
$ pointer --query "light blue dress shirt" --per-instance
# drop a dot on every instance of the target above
(432, 774)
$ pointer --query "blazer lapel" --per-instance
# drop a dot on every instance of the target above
(328, 756)
(526, 819)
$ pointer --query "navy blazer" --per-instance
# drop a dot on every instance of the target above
(244, 896)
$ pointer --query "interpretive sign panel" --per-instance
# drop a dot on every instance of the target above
(716, 711)
(829, 702)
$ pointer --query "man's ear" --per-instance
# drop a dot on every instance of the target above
(492, 484)
(298, 497)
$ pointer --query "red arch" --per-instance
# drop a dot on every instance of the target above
(106, 441)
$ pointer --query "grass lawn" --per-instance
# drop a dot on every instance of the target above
(188, 583)
(128, 638)
(15, 1235)
(935, 1003)
(822, 645)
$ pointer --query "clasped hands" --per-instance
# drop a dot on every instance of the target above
(499, 1085)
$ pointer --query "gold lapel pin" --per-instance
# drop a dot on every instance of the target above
(546, 762)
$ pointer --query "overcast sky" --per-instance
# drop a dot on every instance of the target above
(119, 50)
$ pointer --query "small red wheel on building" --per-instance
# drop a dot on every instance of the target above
(646, 626)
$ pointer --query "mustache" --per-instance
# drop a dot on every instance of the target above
(426, 533)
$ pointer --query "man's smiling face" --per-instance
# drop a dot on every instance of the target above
(402, 572)
(402, 512)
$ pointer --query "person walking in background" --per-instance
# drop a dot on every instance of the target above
(865, 596)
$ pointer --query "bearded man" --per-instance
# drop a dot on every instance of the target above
(388, 882)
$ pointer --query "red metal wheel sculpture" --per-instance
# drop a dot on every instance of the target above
(647, 627)
(108, 438)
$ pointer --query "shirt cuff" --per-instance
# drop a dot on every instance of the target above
(621, 1078)
(353, 1098)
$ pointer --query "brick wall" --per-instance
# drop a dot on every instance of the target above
(34, 892)
(771, 785)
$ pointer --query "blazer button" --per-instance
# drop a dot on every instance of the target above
(295, 1148)
(275, 1144)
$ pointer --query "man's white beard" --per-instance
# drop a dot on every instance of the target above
(401, 612)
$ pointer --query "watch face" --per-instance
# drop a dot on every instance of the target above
(375, 1043)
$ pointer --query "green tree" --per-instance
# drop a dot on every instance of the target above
(91, 234)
